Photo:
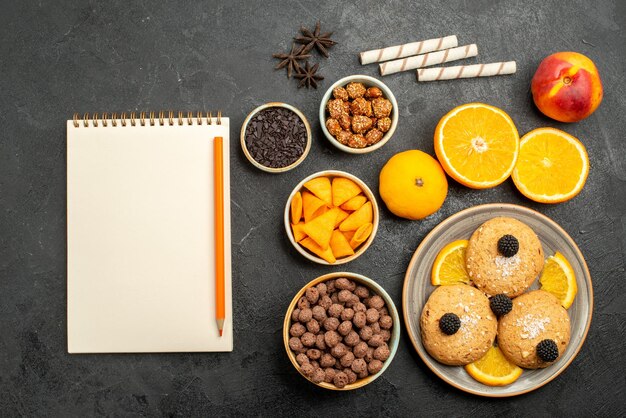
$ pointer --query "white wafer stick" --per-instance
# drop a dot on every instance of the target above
(429, 59)
(466, 71)
(407, 50)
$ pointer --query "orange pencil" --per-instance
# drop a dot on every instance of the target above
(218, 178)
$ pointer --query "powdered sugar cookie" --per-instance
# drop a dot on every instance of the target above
(504, 256)
(536, 332)
(457, 324)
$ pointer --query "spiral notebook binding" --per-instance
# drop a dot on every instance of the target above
(163, 118)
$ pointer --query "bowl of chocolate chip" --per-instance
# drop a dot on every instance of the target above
(275, 137)
(341, 331)
(358, 114)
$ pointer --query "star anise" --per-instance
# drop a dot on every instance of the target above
(308, 76)
(315, 39)
(290, 60)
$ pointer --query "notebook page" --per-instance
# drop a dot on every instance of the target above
(141, 275)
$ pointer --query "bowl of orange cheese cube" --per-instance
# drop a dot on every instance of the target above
(331, 217)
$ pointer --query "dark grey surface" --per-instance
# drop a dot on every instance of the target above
(61, 57)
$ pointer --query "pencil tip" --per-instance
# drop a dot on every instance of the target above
(221, 332)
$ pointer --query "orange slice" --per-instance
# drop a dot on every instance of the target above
(320, 187)
(312, 246)
(493, 369)
(340, 245)
(354, 203)
(477, 145)
(361, 234)
(296, 208)
(552, 166)
(559, 279)
(343, 190)
(310, 205)
(321, 228)
(449, 266)
(363, 215)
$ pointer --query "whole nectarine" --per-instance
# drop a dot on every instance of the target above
(567, 87)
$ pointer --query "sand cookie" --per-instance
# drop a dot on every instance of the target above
(538, 326)
(457, 325)
(504, 256)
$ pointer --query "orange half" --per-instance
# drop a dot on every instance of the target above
(552, 166)
(449, 266)
(477, 145)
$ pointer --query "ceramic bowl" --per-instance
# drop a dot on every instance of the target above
(255, 162)
(375, 288)
(366, 191)
(368, 82)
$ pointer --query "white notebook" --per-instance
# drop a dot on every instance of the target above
(140, 235)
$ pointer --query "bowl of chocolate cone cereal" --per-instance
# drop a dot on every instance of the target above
(358, 114)
(341, 331)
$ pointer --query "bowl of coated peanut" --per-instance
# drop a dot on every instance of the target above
(358, 114)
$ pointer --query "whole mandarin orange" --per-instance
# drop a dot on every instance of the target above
(413, 185)
(567, 87)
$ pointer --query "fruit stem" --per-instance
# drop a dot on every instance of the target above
(419, 182)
